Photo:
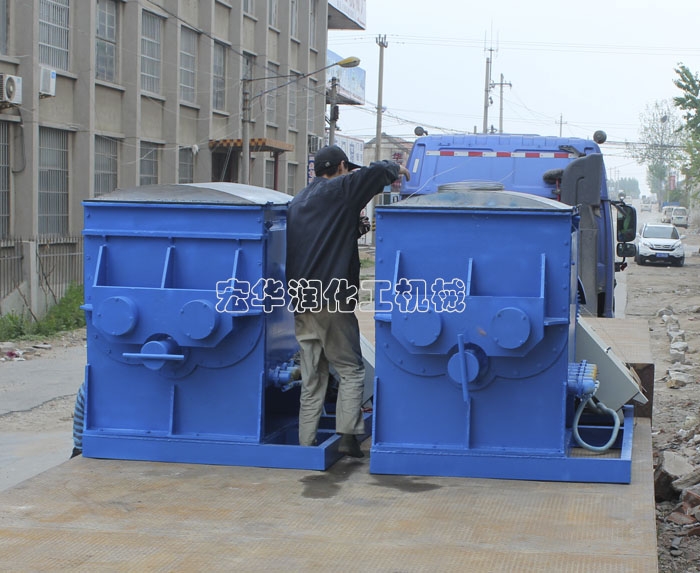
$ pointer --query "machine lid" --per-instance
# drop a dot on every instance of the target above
(479, 195)
(206, 193)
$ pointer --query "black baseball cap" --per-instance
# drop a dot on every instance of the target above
(329, 156)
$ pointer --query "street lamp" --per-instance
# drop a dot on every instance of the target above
(349, 62)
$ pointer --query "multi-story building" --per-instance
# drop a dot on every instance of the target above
(99, 94)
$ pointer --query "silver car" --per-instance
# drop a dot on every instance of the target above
(679, 217)
(660, 243)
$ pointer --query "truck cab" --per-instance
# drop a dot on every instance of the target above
(570, 170)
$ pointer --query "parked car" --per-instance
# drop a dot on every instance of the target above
(679, 217)
(666, 214)
(661, 243)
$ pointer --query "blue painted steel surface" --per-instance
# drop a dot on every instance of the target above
(186, 363)
(519, 163)
(475, 307)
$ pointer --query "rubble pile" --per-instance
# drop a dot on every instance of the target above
(677, 467)
(10, 351)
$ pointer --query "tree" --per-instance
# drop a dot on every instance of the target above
(629, 185)
(689, 103)
(660, 145)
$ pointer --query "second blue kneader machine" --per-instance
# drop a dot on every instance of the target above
(475, 374)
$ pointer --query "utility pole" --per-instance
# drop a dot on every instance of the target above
(500, 116)
(245, 134)
(487, 90)
(382, 43)
(561, 122)
(334, 110)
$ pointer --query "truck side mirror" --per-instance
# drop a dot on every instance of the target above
(626, 222)
(626, 250)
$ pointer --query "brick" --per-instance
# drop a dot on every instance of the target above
(681, 518)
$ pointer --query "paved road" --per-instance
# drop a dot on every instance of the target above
(25, 386)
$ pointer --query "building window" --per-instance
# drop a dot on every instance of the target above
(272, 13)
(53, 181)
(249, 7)
(149, 163)
(106, 41)
(273, 93)
(248, 65)
(311, 106)
(313, 17)
(4, 180)
(3, 26)
(54, 26)
(291, 179)
(188, 64)
(293, 18)
(150, 52)
(269, 174)
(186, 165)
(106, 163)
(218, 100)
(292, 90)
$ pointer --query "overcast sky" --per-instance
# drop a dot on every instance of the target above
(591, 65)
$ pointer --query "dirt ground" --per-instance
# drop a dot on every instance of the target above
(676, 414)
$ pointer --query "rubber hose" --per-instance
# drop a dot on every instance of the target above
(600, 407)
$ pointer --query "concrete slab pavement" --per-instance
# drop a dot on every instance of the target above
(34, 438)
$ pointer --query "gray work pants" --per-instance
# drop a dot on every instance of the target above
(329, 337)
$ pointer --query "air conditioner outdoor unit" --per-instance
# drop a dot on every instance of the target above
(10, 89)
(314, 143)
(47, 82)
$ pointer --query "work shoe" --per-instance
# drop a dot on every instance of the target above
(349, 446)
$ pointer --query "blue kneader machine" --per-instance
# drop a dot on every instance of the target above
(476, 371)
(190, 345)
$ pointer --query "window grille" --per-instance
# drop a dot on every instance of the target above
(269, 174)
(188, 64)
(273, 93)
(150, 53)
(4, 180)
(313, 17)
(311, 106)
(54, 30)
(106, 164)
(149, 163)
(186, 165)
(106, 41)
(272, 13)
(291, 179)
(292, 91)
(294, 18)
(3, 26)
(219, 77)
(53, 181)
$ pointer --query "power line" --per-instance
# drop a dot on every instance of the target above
(440, 41)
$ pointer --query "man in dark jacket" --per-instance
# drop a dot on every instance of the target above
(323, 277)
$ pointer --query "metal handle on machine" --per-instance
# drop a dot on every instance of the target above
(155, 354)
(173, 357)
(463, 367)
